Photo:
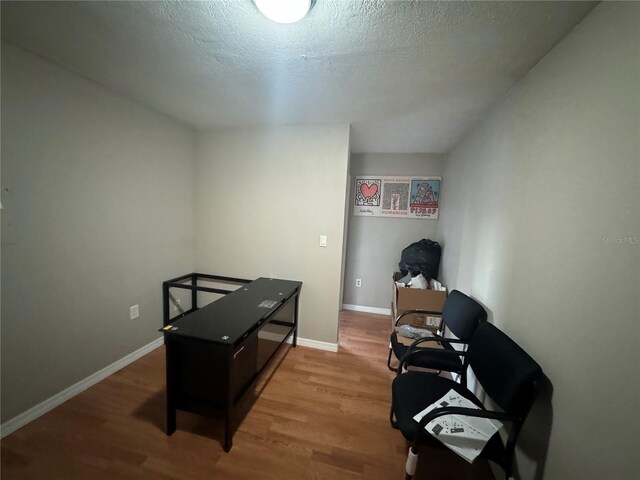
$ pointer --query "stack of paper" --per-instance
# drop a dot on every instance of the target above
(465, 435)
(436, 285)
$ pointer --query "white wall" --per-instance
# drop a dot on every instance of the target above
(375, 243)
(263, 198)
(530, 201)
(98, 211)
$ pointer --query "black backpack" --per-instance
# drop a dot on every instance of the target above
(421, 257)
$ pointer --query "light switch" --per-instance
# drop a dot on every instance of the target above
(323, 240)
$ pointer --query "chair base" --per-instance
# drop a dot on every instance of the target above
(437, 462)
(389, 361)
(412, 462)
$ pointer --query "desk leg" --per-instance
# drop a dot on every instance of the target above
(295, 321)
(228, 419)
(171, 420)
(228, 430)
(228, 439)
(171, 403)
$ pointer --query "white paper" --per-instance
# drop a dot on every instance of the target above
(465, 435)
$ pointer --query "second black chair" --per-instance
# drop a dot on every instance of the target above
(507, 375)
(461, 315)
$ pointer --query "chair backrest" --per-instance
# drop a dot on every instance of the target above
(462, 314)
(505, 371)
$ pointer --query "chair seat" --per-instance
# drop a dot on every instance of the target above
(428, 359)
(414, 391)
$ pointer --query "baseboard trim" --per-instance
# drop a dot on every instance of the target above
(307, 342)
(360, 308)
(30, 415)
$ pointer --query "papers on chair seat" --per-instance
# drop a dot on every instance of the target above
(465, 435)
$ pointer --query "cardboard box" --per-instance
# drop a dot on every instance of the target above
(428, 321)
(404, 299)
(408, 341)
(416, 298)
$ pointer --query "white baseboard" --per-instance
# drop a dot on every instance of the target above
(30, 415)
(360, 308)
(306, 342)
(21, 420)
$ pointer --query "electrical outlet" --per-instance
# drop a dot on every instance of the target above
(134, 312)
(358, 282)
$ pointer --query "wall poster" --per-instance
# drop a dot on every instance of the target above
(388, 196)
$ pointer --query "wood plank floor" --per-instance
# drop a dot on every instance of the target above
(321, 415)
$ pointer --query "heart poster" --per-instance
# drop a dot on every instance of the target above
(387, 196)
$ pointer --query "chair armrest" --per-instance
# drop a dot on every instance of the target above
(439, 339)
(468, 412)
(409, 312)
(414, 351)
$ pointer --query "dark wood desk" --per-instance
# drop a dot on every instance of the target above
(215, 354)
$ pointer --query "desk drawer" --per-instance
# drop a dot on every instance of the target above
(201, 372)
(243, 364)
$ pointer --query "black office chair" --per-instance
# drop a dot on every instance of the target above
(460, 315)
(507, 375)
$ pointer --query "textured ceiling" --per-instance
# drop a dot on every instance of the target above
(408, 76)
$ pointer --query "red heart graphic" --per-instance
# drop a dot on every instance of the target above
(368, 191)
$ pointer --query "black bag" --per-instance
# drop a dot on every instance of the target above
(421, 257)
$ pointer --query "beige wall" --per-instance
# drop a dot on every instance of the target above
(537, 204)
(98, 211)
(376, 243)
(263, 198)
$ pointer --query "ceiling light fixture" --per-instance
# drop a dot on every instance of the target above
(284, 11)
